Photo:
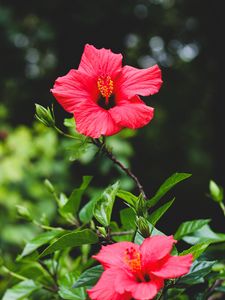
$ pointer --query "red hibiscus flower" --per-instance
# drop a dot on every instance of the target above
(138, 272)
(102, 94)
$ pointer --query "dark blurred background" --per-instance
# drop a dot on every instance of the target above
(41, 40)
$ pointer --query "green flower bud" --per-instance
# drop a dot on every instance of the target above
(143, 227)
(45, 115)
(216, 191)
(24, 212)
(141, 209)
(102, 231)
(49, 186)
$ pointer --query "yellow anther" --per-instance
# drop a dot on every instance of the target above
(105, 86)
(133, 259)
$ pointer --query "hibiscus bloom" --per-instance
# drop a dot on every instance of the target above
(103, 95)
(138, 272)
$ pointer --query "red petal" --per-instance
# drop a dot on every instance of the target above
(174, 266)
(72, 88)
(97, 62)
(146, 290)
(105, 288)
(113, 255)
(133, 81)
(155, 248)
(132, 114)
(92, 120)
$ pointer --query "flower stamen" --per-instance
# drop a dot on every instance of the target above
(133, 259)
(105, 86)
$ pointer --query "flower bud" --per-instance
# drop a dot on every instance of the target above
(141, 206)
(45, 115)
(102, 231)
(143, 227)
(216, 192)
(49, 186)
(24, 212)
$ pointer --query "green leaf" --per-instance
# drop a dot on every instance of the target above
(128, 197)
(197, 273)
(104, 205)
(204, 235)
(216, 191)
(196, 250)
(21, 290)
(189, 227)
(39, 241)
(72, 239)
(73, 203)
(128, 218)
(157, 214)
(87, 211)
(166, 186)
(89, 277)
(66, 290)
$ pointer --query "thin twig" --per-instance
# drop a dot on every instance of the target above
(110, 155)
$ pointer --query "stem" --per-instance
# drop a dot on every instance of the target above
(222, 207)
(65, 134)
(109, 154)
(20, 277)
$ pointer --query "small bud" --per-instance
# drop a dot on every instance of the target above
(45, 115)
(141, 206)
(102, 231)
(143, 227)
(216, 192)
(24, 212)
(49, 186)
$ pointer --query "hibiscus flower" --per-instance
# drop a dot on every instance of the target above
(103, 95)
(138, 272)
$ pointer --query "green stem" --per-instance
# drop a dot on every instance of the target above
(222, 206)
(20, 277)
(65, 134)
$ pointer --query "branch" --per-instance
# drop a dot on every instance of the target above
(109, 154)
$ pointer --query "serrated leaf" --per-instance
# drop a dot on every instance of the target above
(166, 186)
(104, 205)
(158, 213)
(197, 273)
(128, 197)
(196, 250)
(39, 241)
(128, 218)
(89, 277)
(73, 203)
(21, 290)
(72, 239)
(189, 227)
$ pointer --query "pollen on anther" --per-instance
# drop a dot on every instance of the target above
(105, 86)
(133, 259)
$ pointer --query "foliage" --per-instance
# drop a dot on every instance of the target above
(55, 261)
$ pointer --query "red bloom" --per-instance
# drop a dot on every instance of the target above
(102, 94)
(138, 272)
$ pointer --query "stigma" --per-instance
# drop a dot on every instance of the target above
(105, 86)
